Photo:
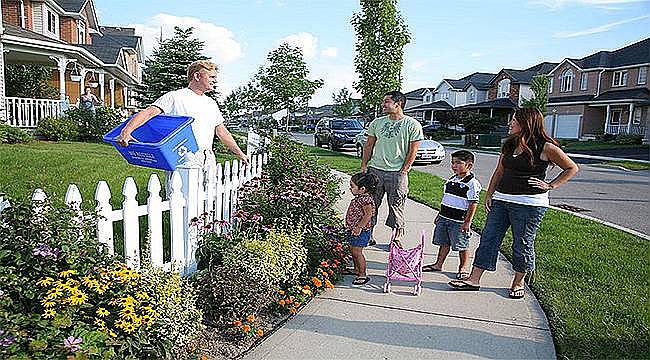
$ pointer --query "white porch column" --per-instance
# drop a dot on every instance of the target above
(111, 86)
(101, 87)
(82, 83)
(62, 63)
(607, 118)
(491, 112)
(629, 118)
(125, 93)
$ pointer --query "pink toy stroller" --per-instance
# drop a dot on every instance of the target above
(405, 264)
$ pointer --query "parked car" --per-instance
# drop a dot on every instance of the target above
(337, 133)
(429, 130)
(429, 150)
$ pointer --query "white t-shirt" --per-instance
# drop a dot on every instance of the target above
(202, 108)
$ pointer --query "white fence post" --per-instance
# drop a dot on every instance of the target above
(73, 200)
(234, 187)
(191, 183)
(176, 210)
(154, 221)
(227, 192)
(104, 210)
(131, 224)
(210, 192)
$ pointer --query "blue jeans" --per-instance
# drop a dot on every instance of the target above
(524, 221)
(361, 240)
(447, 232)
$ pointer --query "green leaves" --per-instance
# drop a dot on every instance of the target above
(539, 85)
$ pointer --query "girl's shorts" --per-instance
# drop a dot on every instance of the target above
(361, 240)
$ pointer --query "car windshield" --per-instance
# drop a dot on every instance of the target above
(346, 125)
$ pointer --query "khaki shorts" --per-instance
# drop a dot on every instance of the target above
(395, 186)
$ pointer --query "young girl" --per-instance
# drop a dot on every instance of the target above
(358, 221)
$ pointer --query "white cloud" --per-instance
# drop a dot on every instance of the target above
(336, 77)
(330, 52)
(476, 54)
(597, 29)
(305, 41)
(219, 42)
(556, 4)
(417, 65)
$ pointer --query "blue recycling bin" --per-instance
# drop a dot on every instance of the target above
(163, 142)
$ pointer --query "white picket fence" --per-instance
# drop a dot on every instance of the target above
(191, 195)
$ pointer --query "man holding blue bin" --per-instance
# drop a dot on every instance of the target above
(191, 101)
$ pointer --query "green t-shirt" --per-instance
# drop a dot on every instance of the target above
(393, 140)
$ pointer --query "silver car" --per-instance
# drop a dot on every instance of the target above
(429, 151)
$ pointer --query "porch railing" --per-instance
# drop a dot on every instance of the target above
(622, 129)
(25, 112)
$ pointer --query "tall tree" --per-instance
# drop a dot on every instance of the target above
(381, 37)
(539, 86)
(343, 103)
(283, 83)
(166, 69)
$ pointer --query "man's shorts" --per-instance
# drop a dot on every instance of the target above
(361, 240)
(447, 232)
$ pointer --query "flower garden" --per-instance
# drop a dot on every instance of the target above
(63, 297)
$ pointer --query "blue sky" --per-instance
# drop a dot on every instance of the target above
(449, 40)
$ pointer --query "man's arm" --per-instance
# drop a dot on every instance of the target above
(226, 137)
(410, 157)
(135, 122)
(367, 152)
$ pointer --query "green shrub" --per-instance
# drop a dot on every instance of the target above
(625, 139)
(220, 147)
(93, 126)
(292, 255)
(13, 135)
(58, 128)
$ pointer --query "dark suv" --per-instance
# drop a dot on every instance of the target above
(337, 133)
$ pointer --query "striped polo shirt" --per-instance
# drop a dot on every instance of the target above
(458, 195)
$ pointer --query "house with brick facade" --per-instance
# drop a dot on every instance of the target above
(66, 36)
(602, 93)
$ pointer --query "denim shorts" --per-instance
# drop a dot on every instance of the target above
(361, 240)
(524, 220)
(447, 232)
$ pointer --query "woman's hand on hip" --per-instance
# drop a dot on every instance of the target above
(540, 184)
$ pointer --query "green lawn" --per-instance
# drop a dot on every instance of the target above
(592, 280)
(569, 145)
(630, 165)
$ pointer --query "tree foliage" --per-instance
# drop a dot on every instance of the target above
(166, 69)
(539, 85)
(343, 103)
(29, 81)
(381, 37)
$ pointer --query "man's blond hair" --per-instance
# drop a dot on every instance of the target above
(199, 65)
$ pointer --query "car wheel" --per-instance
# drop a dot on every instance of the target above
(359, 151)
(331, 145)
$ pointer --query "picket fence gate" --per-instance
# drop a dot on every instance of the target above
(191, 195)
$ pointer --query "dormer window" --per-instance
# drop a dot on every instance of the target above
(503, 88)
(52, 22)
(567, 81)
(583, 81)
(427, 98)
(81, 32)
(643, 75)
(619, 78)
(471, 95)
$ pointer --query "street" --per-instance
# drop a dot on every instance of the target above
(607, 193)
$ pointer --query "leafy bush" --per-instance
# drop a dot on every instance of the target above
(220, 147)
(58, 128)
(13, 135)
(625, 139)
(93, 126)
(475, 123)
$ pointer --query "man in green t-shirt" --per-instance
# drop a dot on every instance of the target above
(391, 148)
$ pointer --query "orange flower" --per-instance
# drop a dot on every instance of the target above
(324, 264)
(260, 332)
(329, 271)
(290, 299)
(306, 287)
(316, 282)
(293, 310)
(250, 318)
(296, 304)
(246, 328)
(204, 357)
(281, 302)
(281, 292)
(236, 323)
(328, 284)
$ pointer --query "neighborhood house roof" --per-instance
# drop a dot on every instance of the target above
(417, 94)
(526, 76)
(436, 105)
(637, 53)
(108, 47)
(502, 103)
(480, 81)
(18, 31)
(639, 94)
(71, 5)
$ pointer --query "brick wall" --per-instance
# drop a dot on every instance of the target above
(11, 13)
(68, 30)
(514, 88)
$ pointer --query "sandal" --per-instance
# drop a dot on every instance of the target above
(361, 280)
(462, 275)
(398, 244)
(463, 286)
(517, 293)
(430, 268)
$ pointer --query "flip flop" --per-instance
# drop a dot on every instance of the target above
(516, 293)
(463, 286)
(462, 275)
(430, 268)
(361, 280)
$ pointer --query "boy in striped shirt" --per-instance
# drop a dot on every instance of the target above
(454, 221)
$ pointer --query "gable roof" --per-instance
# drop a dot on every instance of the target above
(480, 80)
(108, 47)
(637, 53)
(71, 5)
(526, 76)
(418, 93)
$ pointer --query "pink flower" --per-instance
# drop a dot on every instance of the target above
(72, 344)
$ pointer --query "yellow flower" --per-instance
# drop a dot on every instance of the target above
(100, 323)
(101, 312)
(142, 295)
(250, 318)
(127, 312)
(46, 281)
(77, 298)
(128, 301)
(112, 333)
(146, 320)
(66, 273)
(54, 293)
(48, 313)
(129, 328)
(47, 303)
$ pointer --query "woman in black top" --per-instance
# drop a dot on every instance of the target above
(517, 198)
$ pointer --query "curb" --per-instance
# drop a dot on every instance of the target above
(603, 222)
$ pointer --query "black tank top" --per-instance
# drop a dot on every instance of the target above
(517, 170)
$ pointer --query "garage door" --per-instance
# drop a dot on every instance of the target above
(567, 126)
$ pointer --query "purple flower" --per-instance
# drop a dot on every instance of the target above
(72, 344)
(7, 340)
(45, 251)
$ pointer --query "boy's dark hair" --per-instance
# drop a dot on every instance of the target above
(463, 155)
(366, 180)
(397, 97)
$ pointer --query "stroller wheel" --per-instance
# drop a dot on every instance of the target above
(387, 287)
(417, 290)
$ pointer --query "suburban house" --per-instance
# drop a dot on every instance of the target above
(66, 35)
(470, 89)
(603, 93)
(420, 105)
(507, 90)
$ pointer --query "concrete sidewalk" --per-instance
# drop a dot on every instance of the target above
(351, 322)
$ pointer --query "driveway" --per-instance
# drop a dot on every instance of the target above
(607, 193)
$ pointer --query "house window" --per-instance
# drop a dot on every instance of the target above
(51, 22)
(643, 75)
(619, 78)
(504, 88)
(427, 99)
(81, 32)
(636, 120)
(616, 117)
(445, 95)
(567, 81)
(471, 95)
(550, 85)
(583, 81)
